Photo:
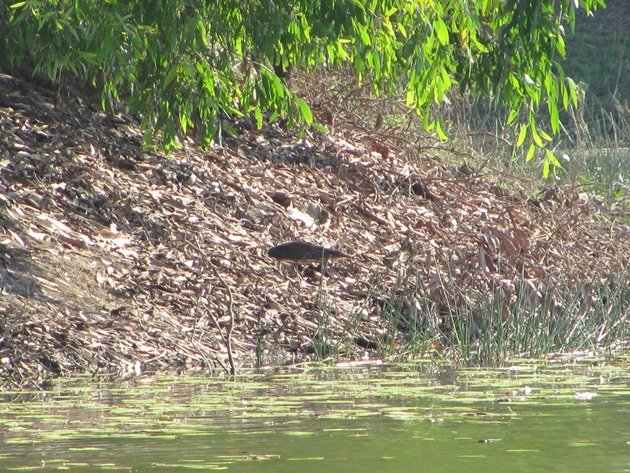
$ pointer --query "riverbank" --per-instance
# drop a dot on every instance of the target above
(120, 261)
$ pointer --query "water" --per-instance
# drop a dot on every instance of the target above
(425, 418)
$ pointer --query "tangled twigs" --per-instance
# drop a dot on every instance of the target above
(227, 338)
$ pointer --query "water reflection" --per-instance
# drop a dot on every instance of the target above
(434, 417)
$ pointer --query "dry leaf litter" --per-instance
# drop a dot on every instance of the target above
(117, 260)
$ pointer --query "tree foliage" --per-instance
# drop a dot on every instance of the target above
(181, 64)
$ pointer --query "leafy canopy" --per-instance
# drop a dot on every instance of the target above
(182, 64)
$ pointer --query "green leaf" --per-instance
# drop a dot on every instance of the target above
(565, 96)
(532, 128)
(410, 97)
(560, 47)
(440, 131)
(331, 51)
(551, 157)
(545, 168)
(544, 135)
(92, 58)
(203, 34)
(442, 31)
(513, 115)
(170, 76)
(535, 137)
(530, 153)
(277, 85)
(573, 88)
(365, 37)
(305, 110)
(320, 128)
(390, 12)
(521, 135)
(259, 117)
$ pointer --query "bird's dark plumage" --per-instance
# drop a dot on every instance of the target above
(300, 251)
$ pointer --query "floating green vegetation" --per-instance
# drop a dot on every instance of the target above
(80, 425)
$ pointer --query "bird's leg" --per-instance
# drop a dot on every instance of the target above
(323, 264)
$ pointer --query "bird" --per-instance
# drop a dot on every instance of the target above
(303, 252)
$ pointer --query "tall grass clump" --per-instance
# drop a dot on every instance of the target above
(593, 317)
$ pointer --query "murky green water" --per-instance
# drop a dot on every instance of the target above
(425, 418)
